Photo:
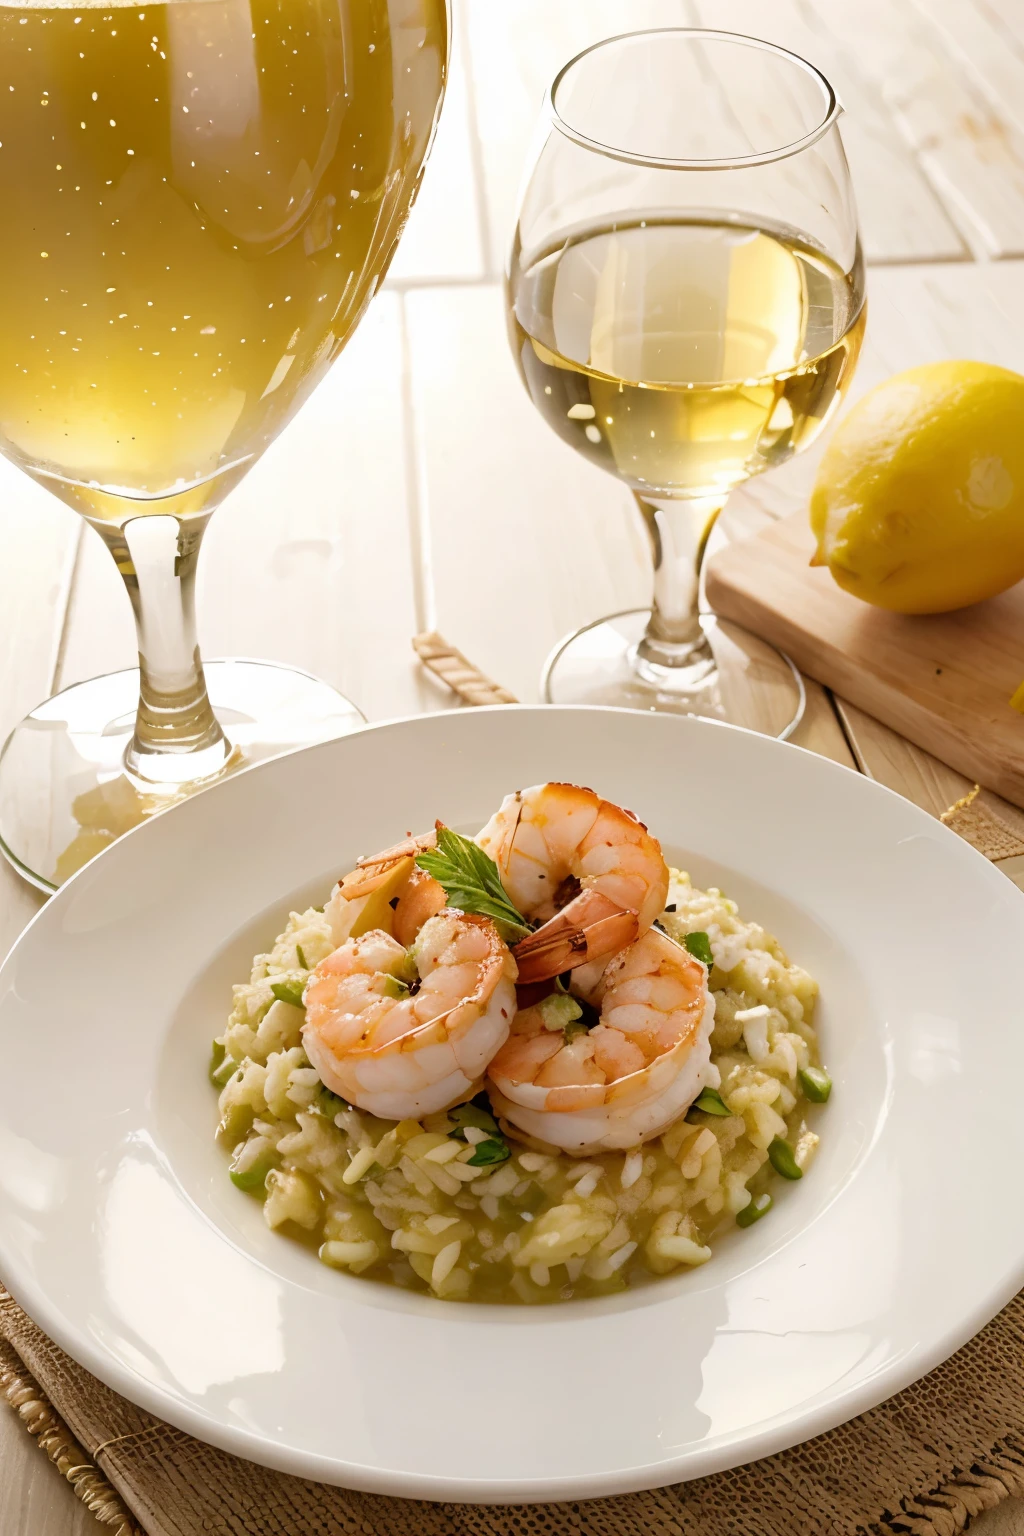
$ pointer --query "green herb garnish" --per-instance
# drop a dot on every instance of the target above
(288, 992)
(710, 1102)
(301, 958)
(471, 1114)
(487, 1153)
(699, 946)
(471, 881)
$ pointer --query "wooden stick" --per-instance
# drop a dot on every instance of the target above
(468, 682)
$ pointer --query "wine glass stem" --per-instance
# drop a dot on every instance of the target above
(679, 532)
(177, 737)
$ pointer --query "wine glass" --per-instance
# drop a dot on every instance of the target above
(686, 307)
(200, 198)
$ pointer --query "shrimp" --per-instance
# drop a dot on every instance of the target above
(630, 1076)
(404, 1033)
(587, 869)
(405, 895)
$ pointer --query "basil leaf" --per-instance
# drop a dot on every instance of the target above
(486, 1153)
(471, 881)
(699, 946)
(471, 1114)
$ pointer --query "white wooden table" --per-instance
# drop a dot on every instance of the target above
(418, 488)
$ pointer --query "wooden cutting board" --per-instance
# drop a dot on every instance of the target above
(944, 681)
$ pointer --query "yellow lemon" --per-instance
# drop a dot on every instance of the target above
(919, 501)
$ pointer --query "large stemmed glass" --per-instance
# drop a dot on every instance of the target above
(686, 306)
(200, 197)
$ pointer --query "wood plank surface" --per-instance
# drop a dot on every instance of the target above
(34, 1499)
(1009, 16)
(526, 541)
(902, 216)
(418, 487)
(978, 43)
(517, 49)
(888, 757)
(444, 239)
(972, 154)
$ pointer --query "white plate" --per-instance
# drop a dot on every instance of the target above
(122, 1236)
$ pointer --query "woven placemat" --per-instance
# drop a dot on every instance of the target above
(925, 1462)
(922, 1464)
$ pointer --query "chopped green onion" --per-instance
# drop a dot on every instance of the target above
(529, 1201)
(759, 1206)
(783, 1159)
(472, 1115)
(486, 1153)
(558, 1010)
(816, 1084)
(222, 1066)
(288, 992)
(255, 1175)
(393, 986)
(710, 1102)
(302, 958)
(328, 1104)
(699, 946)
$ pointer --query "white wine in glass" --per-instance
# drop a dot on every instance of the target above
(200, 198)
(685, 317)
(761, 328)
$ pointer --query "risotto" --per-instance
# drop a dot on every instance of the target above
(468, 1209)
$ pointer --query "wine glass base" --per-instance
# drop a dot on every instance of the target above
(745, 682)
(64, 795)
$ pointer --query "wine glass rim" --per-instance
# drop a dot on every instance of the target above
(833, 106)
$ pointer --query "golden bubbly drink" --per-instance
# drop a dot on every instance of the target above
(199, 199)
(685, 356)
